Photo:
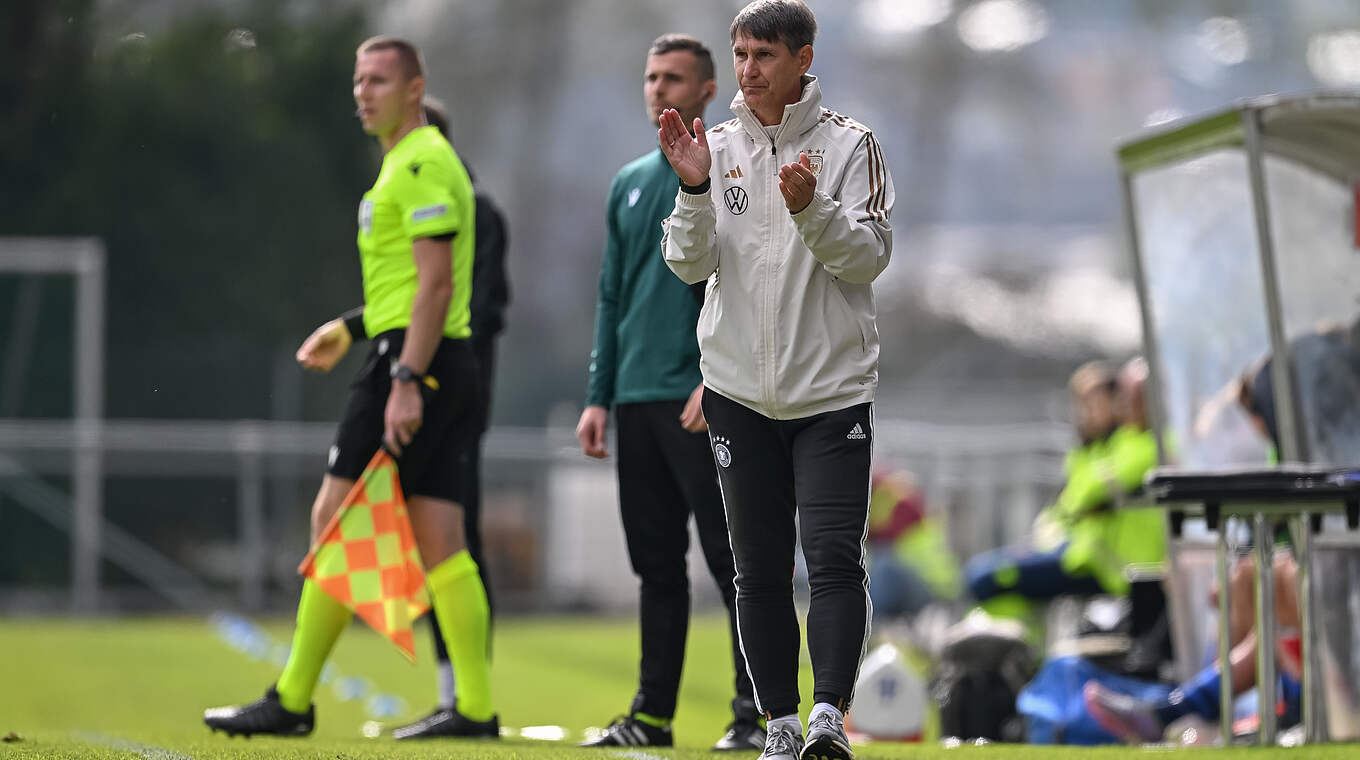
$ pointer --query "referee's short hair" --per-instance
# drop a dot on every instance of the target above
(407, 54)
(788, 21)
(669, 43)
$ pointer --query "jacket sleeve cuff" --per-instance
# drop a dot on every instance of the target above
(693, 201)
(820, 207)
(598, 399)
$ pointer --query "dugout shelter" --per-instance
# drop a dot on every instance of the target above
(1244, 236)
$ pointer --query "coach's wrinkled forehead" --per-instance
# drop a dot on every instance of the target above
(788, 21)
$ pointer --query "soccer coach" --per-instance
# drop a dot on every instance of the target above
(784, 211)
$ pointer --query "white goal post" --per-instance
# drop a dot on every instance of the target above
(84, 260)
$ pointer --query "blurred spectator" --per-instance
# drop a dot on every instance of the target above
(910, 563)
(1256, 395)
(1105, 538)
(1326, 375)
(1005, 580)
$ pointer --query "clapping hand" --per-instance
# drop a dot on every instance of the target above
(797, 183)
(687, 153)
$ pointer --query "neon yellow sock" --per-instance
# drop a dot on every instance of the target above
(320, 619)
(459, 599)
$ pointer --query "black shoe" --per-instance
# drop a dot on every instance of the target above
(446, 723)
(631, 732)
(263, 716)
(434, 725)
(743, 735)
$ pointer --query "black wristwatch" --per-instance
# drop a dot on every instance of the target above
(405, 374)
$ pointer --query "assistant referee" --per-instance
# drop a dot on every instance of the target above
(414, 392)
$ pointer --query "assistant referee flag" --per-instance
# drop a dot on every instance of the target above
(367, 559)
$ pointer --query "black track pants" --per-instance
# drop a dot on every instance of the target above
(665, 475)
(817, 470)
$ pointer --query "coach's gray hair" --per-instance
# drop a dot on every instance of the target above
(788, 21)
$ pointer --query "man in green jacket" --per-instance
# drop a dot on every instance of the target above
(645, 364)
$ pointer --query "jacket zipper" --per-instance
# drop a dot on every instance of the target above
(771, 345)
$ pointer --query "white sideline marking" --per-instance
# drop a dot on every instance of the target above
(544, 733)
(635, 755)
(146, 751)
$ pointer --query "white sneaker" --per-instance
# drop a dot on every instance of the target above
(781, 743)
(826, 739)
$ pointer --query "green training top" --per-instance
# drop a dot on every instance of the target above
(422, 191)
(645, 346)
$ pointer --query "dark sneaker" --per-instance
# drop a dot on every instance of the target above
(741, 735)
(781, 743)
(445, 723)
(1132, 720)
(826, 739)
(631, 732)
(263, 716)
(436, 724)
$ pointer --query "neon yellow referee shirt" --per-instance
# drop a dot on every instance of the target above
(422, 190)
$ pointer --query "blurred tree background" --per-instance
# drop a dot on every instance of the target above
(218, 160)
(211, 144)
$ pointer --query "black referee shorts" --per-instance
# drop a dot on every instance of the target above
(432, 464)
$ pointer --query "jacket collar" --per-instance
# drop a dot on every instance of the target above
(798, 117)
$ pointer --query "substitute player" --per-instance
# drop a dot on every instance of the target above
(414, 392)
(645, 365)
(784, 211)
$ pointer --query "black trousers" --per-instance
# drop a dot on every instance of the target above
(470, 499)
(665, 475)
(814, 470)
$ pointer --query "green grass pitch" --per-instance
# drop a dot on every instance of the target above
(136, 688)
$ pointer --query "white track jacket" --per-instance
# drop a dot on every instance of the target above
(788, 323)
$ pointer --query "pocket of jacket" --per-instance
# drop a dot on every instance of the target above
(850, 313)
(708, 310)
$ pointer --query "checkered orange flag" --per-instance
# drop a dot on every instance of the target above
(367, 559)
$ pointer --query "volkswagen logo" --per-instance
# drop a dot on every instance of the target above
(735, 198)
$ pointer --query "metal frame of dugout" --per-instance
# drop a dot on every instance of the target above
(1244, 232)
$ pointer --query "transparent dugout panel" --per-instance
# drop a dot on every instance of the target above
(1318, 268)
(1197, 241)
